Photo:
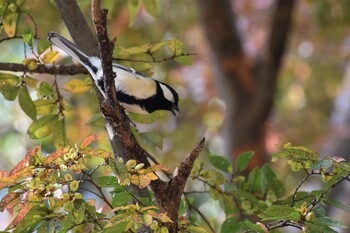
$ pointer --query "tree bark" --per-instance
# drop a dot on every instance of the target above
(248, 87)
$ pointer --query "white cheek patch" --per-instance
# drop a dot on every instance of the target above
(167, 93)
(135, 85)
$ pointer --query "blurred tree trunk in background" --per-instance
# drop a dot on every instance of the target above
(247, 86)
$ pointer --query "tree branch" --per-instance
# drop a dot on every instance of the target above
(277, 40)
(41, 69)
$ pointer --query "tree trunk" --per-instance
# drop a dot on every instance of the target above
(248, 87)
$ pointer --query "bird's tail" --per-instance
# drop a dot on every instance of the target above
(68, 47)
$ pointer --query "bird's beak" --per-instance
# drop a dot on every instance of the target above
(175, 109)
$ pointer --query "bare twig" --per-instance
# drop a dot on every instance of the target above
(44, 69)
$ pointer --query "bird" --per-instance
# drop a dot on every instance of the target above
(136, 92)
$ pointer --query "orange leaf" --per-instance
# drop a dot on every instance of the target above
(25, 162)
(55, 155)
(144, 181)
(152, 176)
(22, 213)
(88, 140)
(6, 200)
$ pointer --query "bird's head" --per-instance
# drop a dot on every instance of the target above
(171, 98)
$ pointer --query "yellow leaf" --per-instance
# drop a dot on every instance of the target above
(50, 57)
(134, 179)
(131, 163)
(147, 219)
(77, 86)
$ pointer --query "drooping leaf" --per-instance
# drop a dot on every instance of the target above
(338, 205)
(77, 86)
(269, 181)
(28, 38)
(50, 57)
(220, 162)
(9, 86)
(26, 103)
(43, 44)
(59, 134)
(243, 160)
(328, 221)
(42, 127)
(9, 23)
(45, 106)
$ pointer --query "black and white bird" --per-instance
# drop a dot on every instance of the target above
(135, 91)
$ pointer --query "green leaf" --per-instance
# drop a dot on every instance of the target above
(146, 118)
(133, 7)
(175, 46)
(152, 7)
(79, 218)
(269, 181)
(120, 227)
(43, 44)
(26, 102)
(28, 38)
(328, 221)
(317, 228)
(320, 212)
(156, 46)
(77, 86)
(59, 134)
(228, 204)
(44, 90)
(338, 205)
(252, 226)
(280, 212)
(322, 164)
(183, 207)
(121, 198)
(9, 86)
(185, 59)
(196, 229)
(134, 50)
(220, 162)
(42, 127)
(151, 139)
(108, 181)
(243, 160)
(45, 106)
(230, 225)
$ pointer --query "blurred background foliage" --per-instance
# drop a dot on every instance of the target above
(311, 75)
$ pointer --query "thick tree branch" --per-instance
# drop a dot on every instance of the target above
(78, 27)
(41, 69)
(280, 28)
(171, 197)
